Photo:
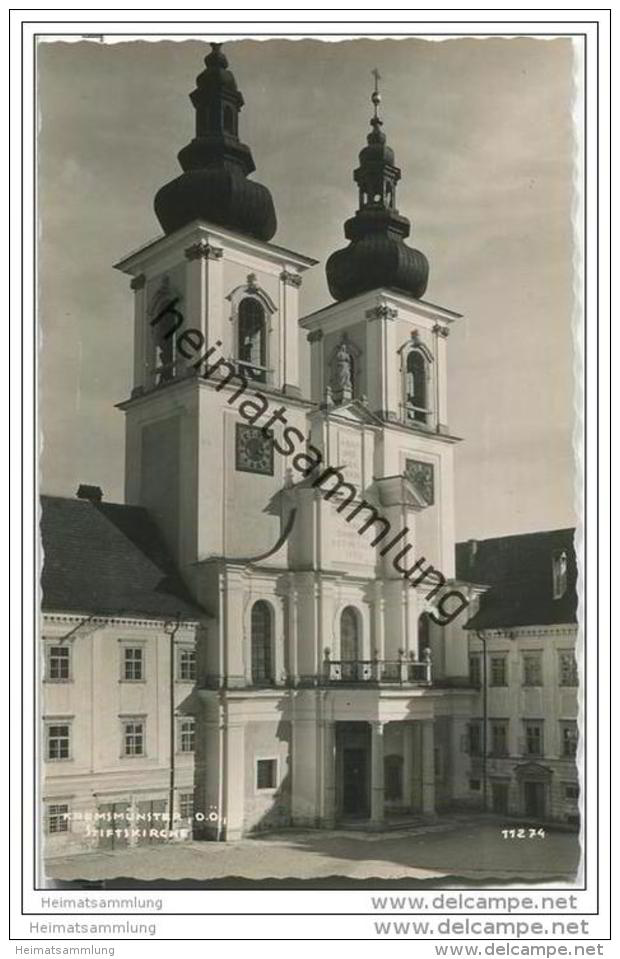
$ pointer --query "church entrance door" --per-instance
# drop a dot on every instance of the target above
(354, 783)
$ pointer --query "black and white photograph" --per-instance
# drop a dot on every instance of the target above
(310, 467)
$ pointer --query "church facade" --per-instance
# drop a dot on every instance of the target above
(313, 534)
(318, 674)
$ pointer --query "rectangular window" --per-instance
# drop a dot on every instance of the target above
(569, 739)
(474, 733)
(534, 738)
(187, 734)
(133, 663)
(532, 668)
(186, 805)
(59, 663)
(57, 818)
(187, 665)
(499, 737)
(58, 741)
(475, 669)
(133, 737)
(266, 772)
(571, 791)
(499, 672)
(474, 785)
(567, 668)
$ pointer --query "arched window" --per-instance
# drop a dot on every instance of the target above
(252, 347)
(416, 386)
(393, 777)
(424, 634)
(350, 651)
(261, 630)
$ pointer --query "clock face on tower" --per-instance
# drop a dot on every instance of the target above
(253, 450)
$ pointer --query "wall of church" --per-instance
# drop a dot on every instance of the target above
(434, 525)
(241, 511)
(267, 808)
(160, 487)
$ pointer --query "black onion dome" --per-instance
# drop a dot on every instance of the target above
(216, 164)
(377, 254)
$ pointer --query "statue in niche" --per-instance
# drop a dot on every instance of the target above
(343, 371)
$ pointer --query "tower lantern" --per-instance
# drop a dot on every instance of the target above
(214, 185)
(377, 255)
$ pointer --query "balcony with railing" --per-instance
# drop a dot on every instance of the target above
(406, 670)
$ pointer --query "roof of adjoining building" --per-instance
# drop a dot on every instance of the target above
(108, 559)
(519, 572)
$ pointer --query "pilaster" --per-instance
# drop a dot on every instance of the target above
(234, 778)
(377, 787)
(428, 767)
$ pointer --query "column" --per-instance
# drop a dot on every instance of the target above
(376, 774)
(291, 638)
(408, 765)
(328, 806)
(428, 767)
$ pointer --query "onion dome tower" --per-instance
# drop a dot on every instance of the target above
(216, 164)
(377, 255)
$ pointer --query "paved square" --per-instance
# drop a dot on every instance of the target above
(466, 849)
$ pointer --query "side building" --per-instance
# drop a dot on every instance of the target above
(523, 735)
(118, 658)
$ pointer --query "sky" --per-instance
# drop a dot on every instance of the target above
(483, 135)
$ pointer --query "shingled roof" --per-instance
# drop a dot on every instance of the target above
(519, 571)
(108, 559)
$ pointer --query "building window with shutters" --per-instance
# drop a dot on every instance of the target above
(133, 737)
(532, 668)
(569, 738)
(58, 740)
(57, 818)
(186, 665)
(58, 663)
(187, 734)
(474, 738)
(132, 670)
(498, 670)
(567, 665)
(533, 738)
(475, 669)
(499, 737)
(186, 805)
